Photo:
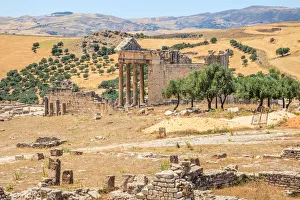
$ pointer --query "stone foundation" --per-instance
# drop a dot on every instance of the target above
(290, 180)
(54, 194)
(292, 153)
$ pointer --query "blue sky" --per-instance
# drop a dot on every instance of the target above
(131, 8)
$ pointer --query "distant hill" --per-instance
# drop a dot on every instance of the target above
(70, 24)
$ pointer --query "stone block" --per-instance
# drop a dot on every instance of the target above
(56, 152)
(40, 156)
(76, 153)
(67, 177)
(109, 183)
(54, 171)
(174, 159)
(19, 157)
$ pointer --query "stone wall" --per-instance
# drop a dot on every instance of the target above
(63, 101)
(160, 76)
(10, 110)
(54, 194)
(222, 58)
(290, 180)
(293, 153)
(180, 182)
(3, 196)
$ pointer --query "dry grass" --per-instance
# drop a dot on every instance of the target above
(79, 131)
(16, 50)
(89, 170)
(255, 190)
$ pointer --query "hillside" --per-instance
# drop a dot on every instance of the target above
(17, 53)
(73, 24)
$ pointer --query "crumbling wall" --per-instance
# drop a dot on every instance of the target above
(222, 58)
(181, 181)
(291, 153)
(289, 180)
(62, 101)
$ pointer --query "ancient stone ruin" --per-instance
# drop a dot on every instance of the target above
(163, 66)
(55, 194)
(64, 100)
(180, 182)
(10, 110)
(285, 179)
(42, 142)
(291, 153)
(128, 44)
(287, 153)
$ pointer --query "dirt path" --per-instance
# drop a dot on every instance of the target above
(244, 137)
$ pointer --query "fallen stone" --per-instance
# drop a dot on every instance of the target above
(56, 152)
(269, 156)
(233, 110)
(99, 138)
(76, 153)
(169, 112)
(94, 194)
(97, 116)
(220, 156)
(141, 112)
(19, 157)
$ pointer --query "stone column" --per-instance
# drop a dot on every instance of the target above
(142, 85)
(46, 106)
(135, 85)
(128, 80)
(54, 171)
(121, 82)
(51, 109)
(67, 177)
(63, 108)
(57, 106)
(109, 183)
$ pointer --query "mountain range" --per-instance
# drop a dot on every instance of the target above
(73, 24)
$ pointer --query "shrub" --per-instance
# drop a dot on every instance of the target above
(213, 40)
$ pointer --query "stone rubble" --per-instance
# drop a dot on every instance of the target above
(179, 182)
(3, 196)
(54, 194)
(42, 142)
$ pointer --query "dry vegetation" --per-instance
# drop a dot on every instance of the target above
(16, 50)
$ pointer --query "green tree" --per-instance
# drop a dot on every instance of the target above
(282, 51)
(190, 89)
(253, 57)
(245, 62)
(224, 81)
(290, 89)
(173, 89)
(164, 48)
(86, 75)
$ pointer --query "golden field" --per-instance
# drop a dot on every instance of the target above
(17, 52)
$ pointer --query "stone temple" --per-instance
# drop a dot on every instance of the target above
(163, 66)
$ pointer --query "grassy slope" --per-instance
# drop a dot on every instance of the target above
(17, 52)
